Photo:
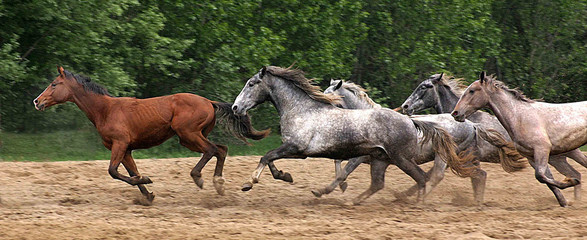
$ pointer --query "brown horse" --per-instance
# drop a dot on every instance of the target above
(126, 124)
(538, 129)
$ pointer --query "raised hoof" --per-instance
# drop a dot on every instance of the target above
(219, 185)
(343, 186)
(136, 180)
(317, 193)
(247, 186)
(199, 182)
(287, 177)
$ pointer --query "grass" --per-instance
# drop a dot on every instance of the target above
(76, 145)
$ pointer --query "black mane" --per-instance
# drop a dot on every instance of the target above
(87, 83)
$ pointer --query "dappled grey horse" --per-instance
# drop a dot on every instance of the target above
(465, 134)
(538, 129)
(386, 136)
(442, 92)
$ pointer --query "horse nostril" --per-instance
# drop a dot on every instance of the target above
(36, 101)
(234, 108)
(405, 106)
(454, 113)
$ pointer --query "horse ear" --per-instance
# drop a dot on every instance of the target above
(439, 77)
(61, 71)
(263, 72)
(338, 85)
(332, 81)
(482, 77)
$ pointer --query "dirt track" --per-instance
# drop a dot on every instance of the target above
(79, 200)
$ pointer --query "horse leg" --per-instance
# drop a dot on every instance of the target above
(341, 176)
(578, 156)
(218, 180)
(556, 191)
(286, 150)
(478, 181)
(378, 168)
(414, 171)
(559, 162)
(131, 167)
(338, 173)
(436, 174)
(196, 142)
(541, 157)
(118, 154)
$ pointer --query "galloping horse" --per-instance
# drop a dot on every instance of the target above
(538, 129)
(126, 124)
(311, 126)
(467, 136)
(442, 92)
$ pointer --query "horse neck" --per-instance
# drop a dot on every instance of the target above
(288, 98)
(92, 104)
(507, 109)
(352, 101)
(447, 100)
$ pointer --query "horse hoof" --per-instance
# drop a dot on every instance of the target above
(287, 177)
(247, 186)
(136, 180)
(145, 180)
(199, 182)
(343, 186)
(317, 193)
(219, 185)
(145, 200)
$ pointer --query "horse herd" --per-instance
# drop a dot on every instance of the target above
(343, 123)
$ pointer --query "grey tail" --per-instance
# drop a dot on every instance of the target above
(443, 144)
(510, 159)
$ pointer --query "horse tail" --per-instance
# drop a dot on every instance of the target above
(238, 126)
(443, 144)
(510, 159)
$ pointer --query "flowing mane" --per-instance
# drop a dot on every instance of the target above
(518, 94)
(360, 92)
(87, 83)
(455, 85)
(297, 77)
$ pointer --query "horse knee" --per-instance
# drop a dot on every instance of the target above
(114, 172)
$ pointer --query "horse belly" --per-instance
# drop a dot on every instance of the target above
(151, 138)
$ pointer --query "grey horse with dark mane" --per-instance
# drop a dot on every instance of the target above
(466, 135)
(539, 130)
(384, 135)
(442, 92)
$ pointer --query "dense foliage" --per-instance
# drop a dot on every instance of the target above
(151, 48)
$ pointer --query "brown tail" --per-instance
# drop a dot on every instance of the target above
(239, 126)
(510, 159)
(443, 144)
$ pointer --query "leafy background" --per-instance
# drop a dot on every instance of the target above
(152, 48)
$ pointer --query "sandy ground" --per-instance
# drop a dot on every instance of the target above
(79, 200)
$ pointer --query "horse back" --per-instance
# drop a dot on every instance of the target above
(565, 124)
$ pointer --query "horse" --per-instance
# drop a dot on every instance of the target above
(538, 129)
(312, 126)
(126, 124)
(442, 92)
(466, 136)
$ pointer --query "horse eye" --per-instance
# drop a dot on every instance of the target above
(251, 84)
(53, 84)
(471, 91)
(423, 87)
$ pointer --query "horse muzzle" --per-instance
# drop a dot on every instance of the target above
(458, 116)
